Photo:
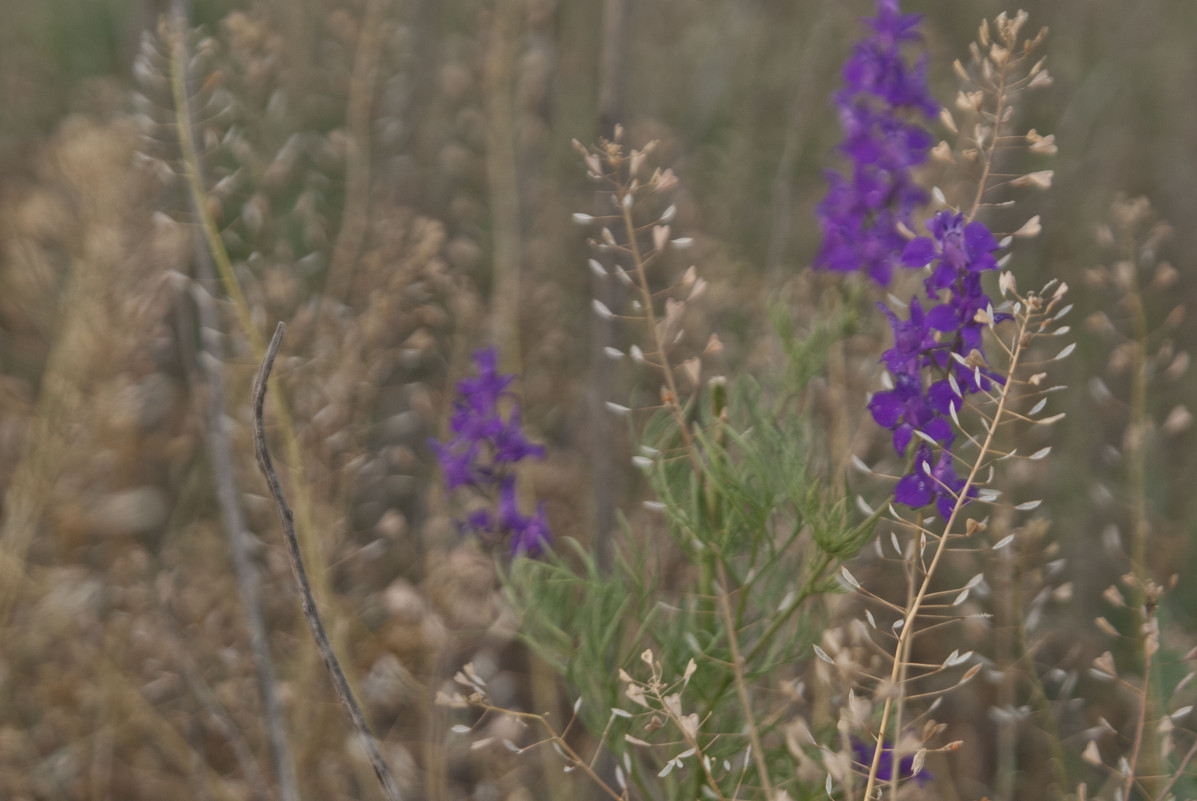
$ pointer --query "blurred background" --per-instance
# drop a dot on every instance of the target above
(394, 179)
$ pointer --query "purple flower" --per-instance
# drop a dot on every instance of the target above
(905, 409)
(938, 356)
(939, 483)
(482, 454)
(862, 755)
(861, 215)
(913, 341)
(958, 248)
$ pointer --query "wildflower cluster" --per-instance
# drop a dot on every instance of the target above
(945, 343)
(483, 453)
(862, 215)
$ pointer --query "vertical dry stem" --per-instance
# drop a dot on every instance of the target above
(941, 548)
(356, 213)
(308, 602)
(503, 178)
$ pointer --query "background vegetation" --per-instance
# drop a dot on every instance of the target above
(394, 178)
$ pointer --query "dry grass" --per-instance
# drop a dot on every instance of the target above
(393, 180)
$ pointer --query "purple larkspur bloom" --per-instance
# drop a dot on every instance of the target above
(906, 409)
(957, 253)
(930, 482)
(938, 356)
(482, 454)
(879, 107)
(862, 755)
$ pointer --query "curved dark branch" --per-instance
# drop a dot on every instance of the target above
(340, 684)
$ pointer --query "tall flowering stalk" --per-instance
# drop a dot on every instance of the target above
(938, 356)
(938, 362)
(881, 109)
(482, 454)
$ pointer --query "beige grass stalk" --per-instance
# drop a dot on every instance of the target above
(941, 548)
(503, 178)
(571, 756)
(356, 214)
(309, 543)
(207, 361)
(1141, 523)
(45, 450)
(672, 401)
(228, 279)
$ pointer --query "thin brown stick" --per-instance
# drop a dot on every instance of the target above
(308, 602)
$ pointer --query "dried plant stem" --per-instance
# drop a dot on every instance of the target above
(308, 602)
(903, 657)
(503, 178)
(672, 402)
(571, 755)
(915, 606)
(991, 151)
(1140, 722)
(244, 571)
(1140, 514)
(1180, 769)
(356, 214)
(191, 168)
(209, 363)
(1042, 702)
(737, 664)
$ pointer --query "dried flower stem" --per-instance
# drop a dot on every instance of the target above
(571, 756)
(356, 213)
(308, 602)
(1137, 480)
(208, 362)
(502, 177)
(913, 610)
(1141, 721)
(991, 152)
(1180, 769)
(224, 268)
(650, 317)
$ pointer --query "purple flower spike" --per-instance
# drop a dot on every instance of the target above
(945, 340)
(482, 455)
(880, 106)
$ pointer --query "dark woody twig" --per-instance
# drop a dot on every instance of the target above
(340, 684)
